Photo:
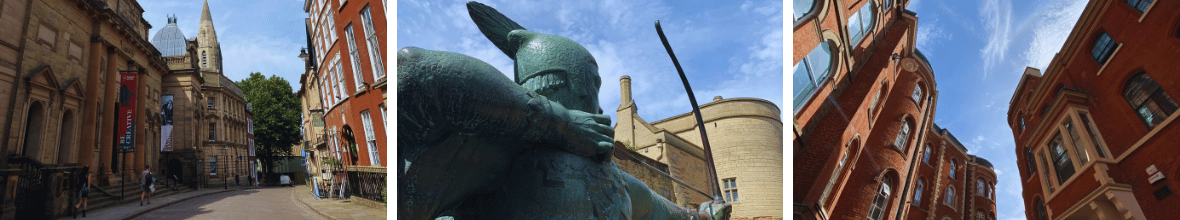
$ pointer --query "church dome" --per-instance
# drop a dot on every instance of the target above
(169, 40)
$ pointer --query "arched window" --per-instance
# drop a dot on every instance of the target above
(979, 187)
(811, 72)
(953, 168)
(878, 207)
(1041, 210)
(918, 193)
(950, 196)
(861, 23)
(1022, 123)
(1148, 99)
(1140, 5)
(926, 156)
(1103, 47)
(876, 99)
(802, 8)
(917, 93)
(903, 135)
(1028, 157)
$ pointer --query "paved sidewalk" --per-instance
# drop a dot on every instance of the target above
(336, 208)
(129, 209)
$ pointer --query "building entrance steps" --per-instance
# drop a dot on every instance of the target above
(105, 197)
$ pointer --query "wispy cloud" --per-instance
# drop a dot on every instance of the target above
(997, 21)
(1055, 26)
(930, 33)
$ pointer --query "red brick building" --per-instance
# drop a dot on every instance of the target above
(1094, 133)
(865, 145)
(347, 57)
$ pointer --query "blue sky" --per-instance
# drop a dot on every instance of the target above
(256, 36)
(731, 49)
(979, 50)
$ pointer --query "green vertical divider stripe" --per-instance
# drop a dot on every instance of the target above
(391, 104)
(787, 153)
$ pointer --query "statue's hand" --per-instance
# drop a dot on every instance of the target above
(587, 134)
(718, 211)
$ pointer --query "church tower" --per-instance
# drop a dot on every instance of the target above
(209, 51)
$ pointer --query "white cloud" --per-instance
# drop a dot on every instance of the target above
(1055, 26)
(997, 21)
(930, 34)
(998, 172)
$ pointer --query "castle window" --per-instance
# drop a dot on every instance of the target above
(731, 193)
(1140, 5)
(1103, 47)
(810, 73)
(903, 135)
(1148, 99)
(878, 206)
(861, 23)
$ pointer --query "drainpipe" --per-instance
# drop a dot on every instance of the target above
(929, 117)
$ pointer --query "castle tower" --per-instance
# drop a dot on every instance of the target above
(209, 51)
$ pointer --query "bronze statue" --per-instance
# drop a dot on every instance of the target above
(474, 144)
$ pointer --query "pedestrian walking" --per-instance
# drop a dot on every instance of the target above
(84, 191)
(146, 182)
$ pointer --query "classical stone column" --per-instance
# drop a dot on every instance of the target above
(106, 144)
(89, 115)
(141, 130)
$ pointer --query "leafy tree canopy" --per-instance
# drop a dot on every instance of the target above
(276, 115)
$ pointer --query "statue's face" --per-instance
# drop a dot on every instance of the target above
(561, 70)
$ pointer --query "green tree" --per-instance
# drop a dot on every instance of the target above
(276, 116)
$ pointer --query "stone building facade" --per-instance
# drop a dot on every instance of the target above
(865, 145)
(349, 68)
(1095, 133)
(745, 136)
(60, 62)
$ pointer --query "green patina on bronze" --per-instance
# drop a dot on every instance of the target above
(474, 144)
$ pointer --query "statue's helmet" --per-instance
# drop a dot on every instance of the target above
(554, 66)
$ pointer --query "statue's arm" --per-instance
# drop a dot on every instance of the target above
(442, 91)
(646, 204)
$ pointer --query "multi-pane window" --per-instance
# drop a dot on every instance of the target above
(926, 156)
(953, 168)
(731, 193)
(1076, 140)
(878, 207)
(835, 174)
(331, 29)
(1040, 206)
(979, 187)
(339, 76)
(811, 72)
(876, 99)
(1062, 161)
(903, 135)
(1148, 100)
(950, 196)
(1139, 5)
(211, 102)
(383, 117)
(212, 132)
(1028, 157)
(357, 78)
(1103, 47)
(917, 93)
(861, 23)
(1098, 146)
(212, 165)
(374, 45)
(918, 193)
(370, 139)
(802, 7)
(1045, 174)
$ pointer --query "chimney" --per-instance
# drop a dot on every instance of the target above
(625, 91)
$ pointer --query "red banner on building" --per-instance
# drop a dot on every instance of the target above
(126, 120)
